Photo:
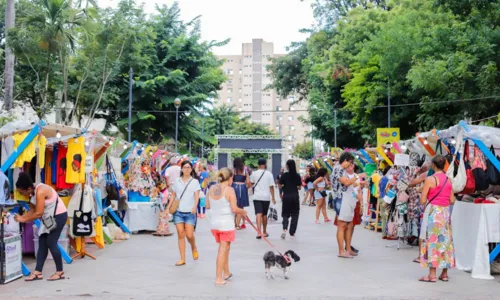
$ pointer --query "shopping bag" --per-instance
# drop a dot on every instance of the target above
(273, 213)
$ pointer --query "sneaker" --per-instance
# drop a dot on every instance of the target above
(243, 226)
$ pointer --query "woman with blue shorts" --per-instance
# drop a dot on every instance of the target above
(186, 190)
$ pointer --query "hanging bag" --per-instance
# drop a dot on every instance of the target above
(479, 171)
(175, 202)
(456, 172)
(493, 173)
(470, 183)
(82, 221)
(111, 188)
(447, 156)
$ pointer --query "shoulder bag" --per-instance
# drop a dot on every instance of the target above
(479, 171)
(456, 172)
(50, 221)
(253, 187)
(440, 190)
(82, 221)
(175, 202)
(470, 183)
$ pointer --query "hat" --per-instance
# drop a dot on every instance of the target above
(262, 162)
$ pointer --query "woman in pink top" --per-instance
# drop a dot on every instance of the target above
(437, 244)
(46, 203)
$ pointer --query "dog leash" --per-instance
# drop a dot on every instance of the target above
(265, 239)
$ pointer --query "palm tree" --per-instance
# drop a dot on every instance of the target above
(57, 21)
(10, 20)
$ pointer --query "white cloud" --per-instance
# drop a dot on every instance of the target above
(277, 21)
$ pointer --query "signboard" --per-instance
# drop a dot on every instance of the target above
(89, 163)
(402, 160)
(387, 135)
(13, 258)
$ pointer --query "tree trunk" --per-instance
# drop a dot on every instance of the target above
(10, 20)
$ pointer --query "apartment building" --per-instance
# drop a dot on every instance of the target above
(246, 91)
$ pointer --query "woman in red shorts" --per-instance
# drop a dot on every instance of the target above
(222, 207)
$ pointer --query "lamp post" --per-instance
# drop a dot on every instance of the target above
(177, 103)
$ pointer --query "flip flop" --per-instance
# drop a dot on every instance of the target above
(266, 235)
(427, 279)
(221, 284)
(37, 277)
(416, 260)
(196, 255)
(444, 278)
(60, 277)
(229, 277)
(344, 255)
(180, 263)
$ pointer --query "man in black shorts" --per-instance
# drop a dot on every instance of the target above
(263, 185)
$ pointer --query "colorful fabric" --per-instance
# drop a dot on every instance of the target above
(437, 249)
(162, 227)
(62, 164)
(42, 144)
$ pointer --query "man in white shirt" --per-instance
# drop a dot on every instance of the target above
(263, 192)
(172, 173)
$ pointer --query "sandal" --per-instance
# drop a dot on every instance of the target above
(444, 278)
(180, 263)
(238, 227)
(344, 255)
(34, 277)
(243, 226)
(229, 277)
(220, 284)
(57, 277)
(416, 260)
(427, 279)
(196, 255)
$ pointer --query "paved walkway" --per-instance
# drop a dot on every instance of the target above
(143, 268)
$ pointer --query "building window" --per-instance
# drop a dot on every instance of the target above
(291, 127)
(239, 72)
(278, 108)
(230, 82)
(280, 118)
(290, 147)
(229, 91)
(239, 90)
(229, 72)
(290, 118)
(229, 100)
(240, 109)
(239, 100)
(290, 137)
(291, 99)
(278, 128)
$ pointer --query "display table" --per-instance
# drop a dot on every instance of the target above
(474, 226)
(141, 216)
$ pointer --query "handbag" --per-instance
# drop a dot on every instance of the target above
(111, 188)
(175, 202)
(50, 221)
(456, 172)
(470, 182)
(493, 173)
(82, 221)
(323, 194)
(479, 171)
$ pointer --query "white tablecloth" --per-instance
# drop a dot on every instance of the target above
(141, 216)
(474, 226)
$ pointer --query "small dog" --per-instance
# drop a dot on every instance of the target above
(272, 260)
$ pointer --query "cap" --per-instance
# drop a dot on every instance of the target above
(262, 162)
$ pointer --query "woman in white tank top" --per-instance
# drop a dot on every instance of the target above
(222, 207)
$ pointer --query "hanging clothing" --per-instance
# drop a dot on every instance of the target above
(62, 166)
(75, 158)
(7, 149)
(42, 144)
(48, 170)
(53, 164)
(28, 153)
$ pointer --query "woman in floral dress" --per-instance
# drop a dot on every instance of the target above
(437, 245)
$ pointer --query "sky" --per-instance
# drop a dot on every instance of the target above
(277, 21)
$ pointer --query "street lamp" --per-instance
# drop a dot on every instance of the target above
(177, 103)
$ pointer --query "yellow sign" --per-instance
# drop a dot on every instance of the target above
(387, 135)
(336, 152)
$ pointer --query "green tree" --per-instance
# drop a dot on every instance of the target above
(303, 150)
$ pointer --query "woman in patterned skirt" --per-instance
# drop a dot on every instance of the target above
(437, 245)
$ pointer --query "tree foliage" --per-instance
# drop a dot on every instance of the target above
(437, 59)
